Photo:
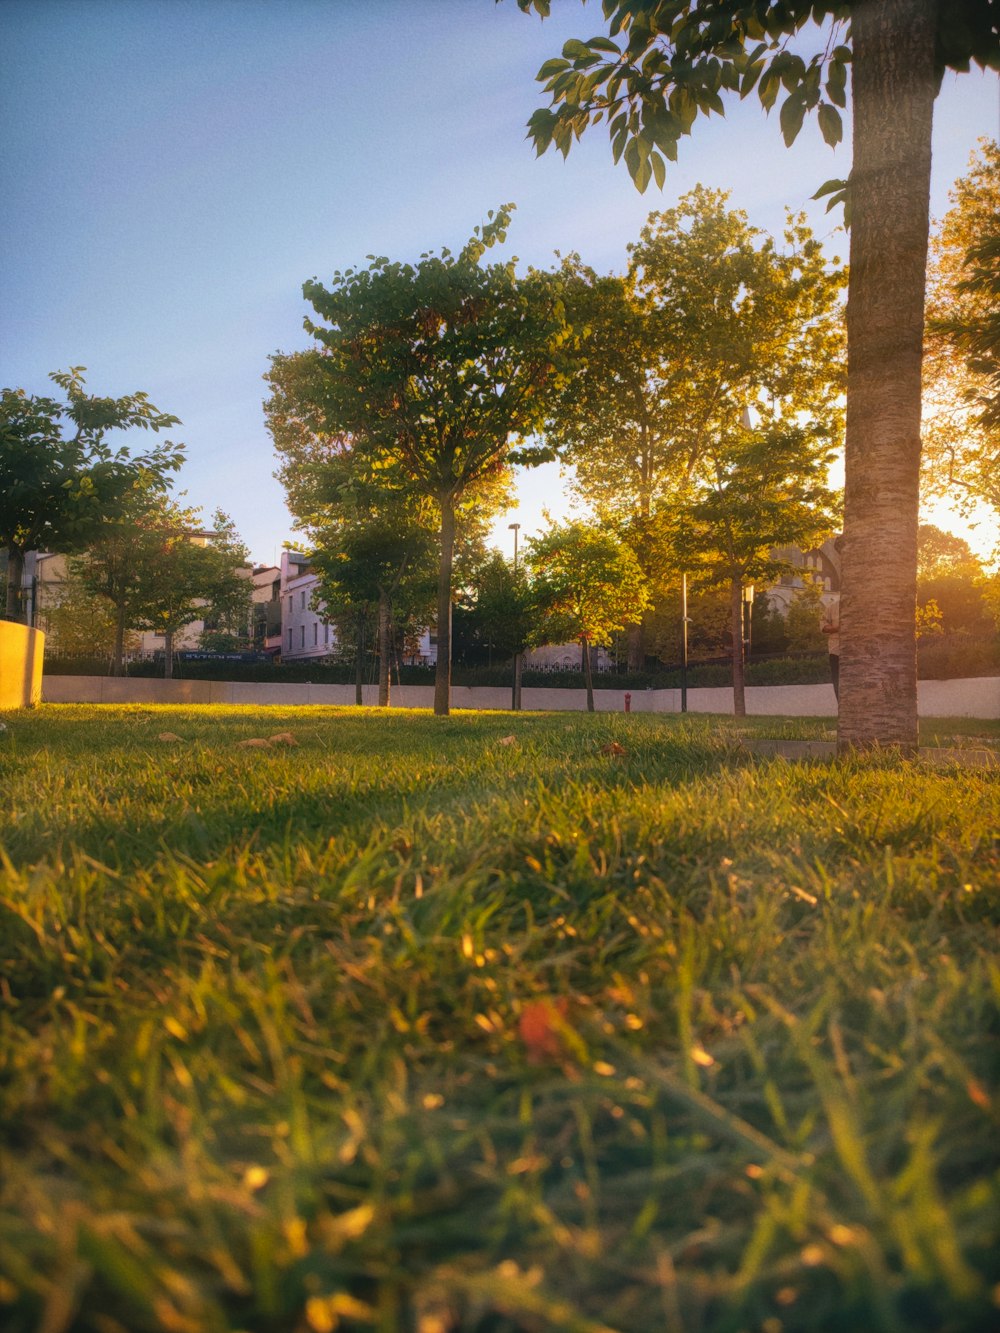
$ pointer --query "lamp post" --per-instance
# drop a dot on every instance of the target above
(515, 693)
(515, 528)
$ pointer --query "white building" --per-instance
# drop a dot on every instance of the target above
(304, 631)
(820, 567)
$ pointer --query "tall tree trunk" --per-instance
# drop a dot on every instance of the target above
(118, 657)
(736, 622)
(168, 654)
(442, 674)
(359, 661)
(15, 578)
(893, 100)
(588, 675)
(384, 647)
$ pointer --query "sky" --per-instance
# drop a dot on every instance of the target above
(172, 171)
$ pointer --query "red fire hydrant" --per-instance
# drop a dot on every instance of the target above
(628, 701)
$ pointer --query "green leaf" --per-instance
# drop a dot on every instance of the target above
(659, 169)
(767, 90)
(642, 176)
(574, 49)
(604, 44)
(836, 83)
(830, 124)
(831, 186)
(554, 66)
(793, 111)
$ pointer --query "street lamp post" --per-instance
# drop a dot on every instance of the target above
(515, 694)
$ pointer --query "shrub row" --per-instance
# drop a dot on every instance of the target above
(947, 658)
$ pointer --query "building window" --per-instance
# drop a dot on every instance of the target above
(289, 640)
(315, 634)
(289, 603)
(302, 636)
(302, 600)
(326, 635)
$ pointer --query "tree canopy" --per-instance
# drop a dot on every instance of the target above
(160, 570)
(962, 349)
(443, 367)
(761, 488)
(587, 586)
(712, 317)
(665, 62)
(61, 479)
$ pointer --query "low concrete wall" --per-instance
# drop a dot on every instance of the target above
(21, 653)
(936, 698)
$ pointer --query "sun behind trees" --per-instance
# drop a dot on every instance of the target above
(712, 319)
(664, 63)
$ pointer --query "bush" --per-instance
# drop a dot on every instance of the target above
(953, 656)
(941, 658)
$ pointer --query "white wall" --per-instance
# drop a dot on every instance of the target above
(936, 698)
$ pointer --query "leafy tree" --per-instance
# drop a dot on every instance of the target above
(708, 626)
(711, 318)
(111, 570)
(498, 612)
(229, 599)
(160, 572)
(587, 585)
(370, 567)
(371, 532)
(80, 624)
(762, 488)
(440, 365)
(675, 60)
(961, 435)
(951, 579)
(805, 615)
(60, 479)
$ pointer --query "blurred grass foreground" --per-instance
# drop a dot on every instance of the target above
(496, 1022)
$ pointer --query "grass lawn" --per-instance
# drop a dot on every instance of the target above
(493, 1023)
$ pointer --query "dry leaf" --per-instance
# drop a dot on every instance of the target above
(541, 1026)
(255, 743)
(283, 738)
(612, 747)
(168, 736)
(507, 740)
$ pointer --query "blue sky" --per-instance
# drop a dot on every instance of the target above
(171, 171)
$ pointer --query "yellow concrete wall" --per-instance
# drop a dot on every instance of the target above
(21, 651)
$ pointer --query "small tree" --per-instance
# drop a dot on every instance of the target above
(440, 366)
(367, 567)
(160, 572)
(500, 613)
(588, 585)
(60, 480)
(952, 580)
(802, 624)
(371, 533)
(81, 624)
(762, 488)
(713, 316)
